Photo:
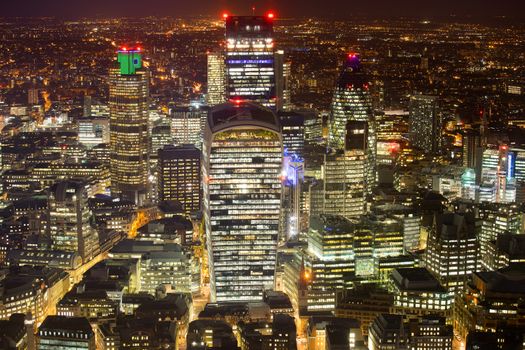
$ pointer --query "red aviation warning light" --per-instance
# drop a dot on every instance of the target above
(270, 15)
(237, 101)
(225, 15)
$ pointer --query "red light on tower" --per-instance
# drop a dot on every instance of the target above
(225, 15)
(271, 15)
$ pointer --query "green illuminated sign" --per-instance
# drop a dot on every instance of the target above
(129, 61)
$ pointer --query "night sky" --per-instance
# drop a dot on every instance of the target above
(285, 8)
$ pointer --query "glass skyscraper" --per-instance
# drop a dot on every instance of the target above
(352, 102)
(249, 61)
(216, 84)
(128, 105)
(425, 123)
(242, 199)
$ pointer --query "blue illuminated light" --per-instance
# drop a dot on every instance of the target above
(250, 61)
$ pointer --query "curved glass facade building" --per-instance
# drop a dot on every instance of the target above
(352, 101)
(242, 199)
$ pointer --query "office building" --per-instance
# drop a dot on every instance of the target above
(214, 334)
(387, 332)
(283, 72)
(187, 124)
(280, 334)
(345, 175)
(472, 150)
(502, 174)
(508, 248)
(504, 338)
(425, 124)
(34, 290)
(33, 96)
(497, 219)
(70, 219)
(176, 229)
(93, 131)
(429, 333)
(250, 60)
(492, 300)
(417, 292)
(60, 332)
(242, 157)
(293, 130)
(351, 102)
(328, 332)
(292, 209)
(94, 305)
(160, 137)
(159, 265)
(216, 79)
(363, 303)
(330, 240)
(128, 125)
(179, 176)
(452, 252)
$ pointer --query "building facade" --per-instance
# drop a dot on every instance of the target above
(242, 164)
(128, 125)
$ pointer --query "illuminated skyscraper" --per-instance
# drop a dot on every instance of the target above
(69, 219)
(187, 124)
(352, 102)
(343, 189)
(216, 79)
(283, 71)
(250, 59)
(502, 174)
(425, 123)
(242, 158)
(179, 176)
(452, 252)
(128, 103)
(293, 174)
(293, 132)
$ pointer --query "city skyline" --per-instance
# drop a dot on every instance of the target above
(256, 181)
(481, 9)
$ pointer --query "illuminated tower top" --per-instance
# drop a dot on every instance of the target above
(249, 27)
(352, 77)
(130, 59)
